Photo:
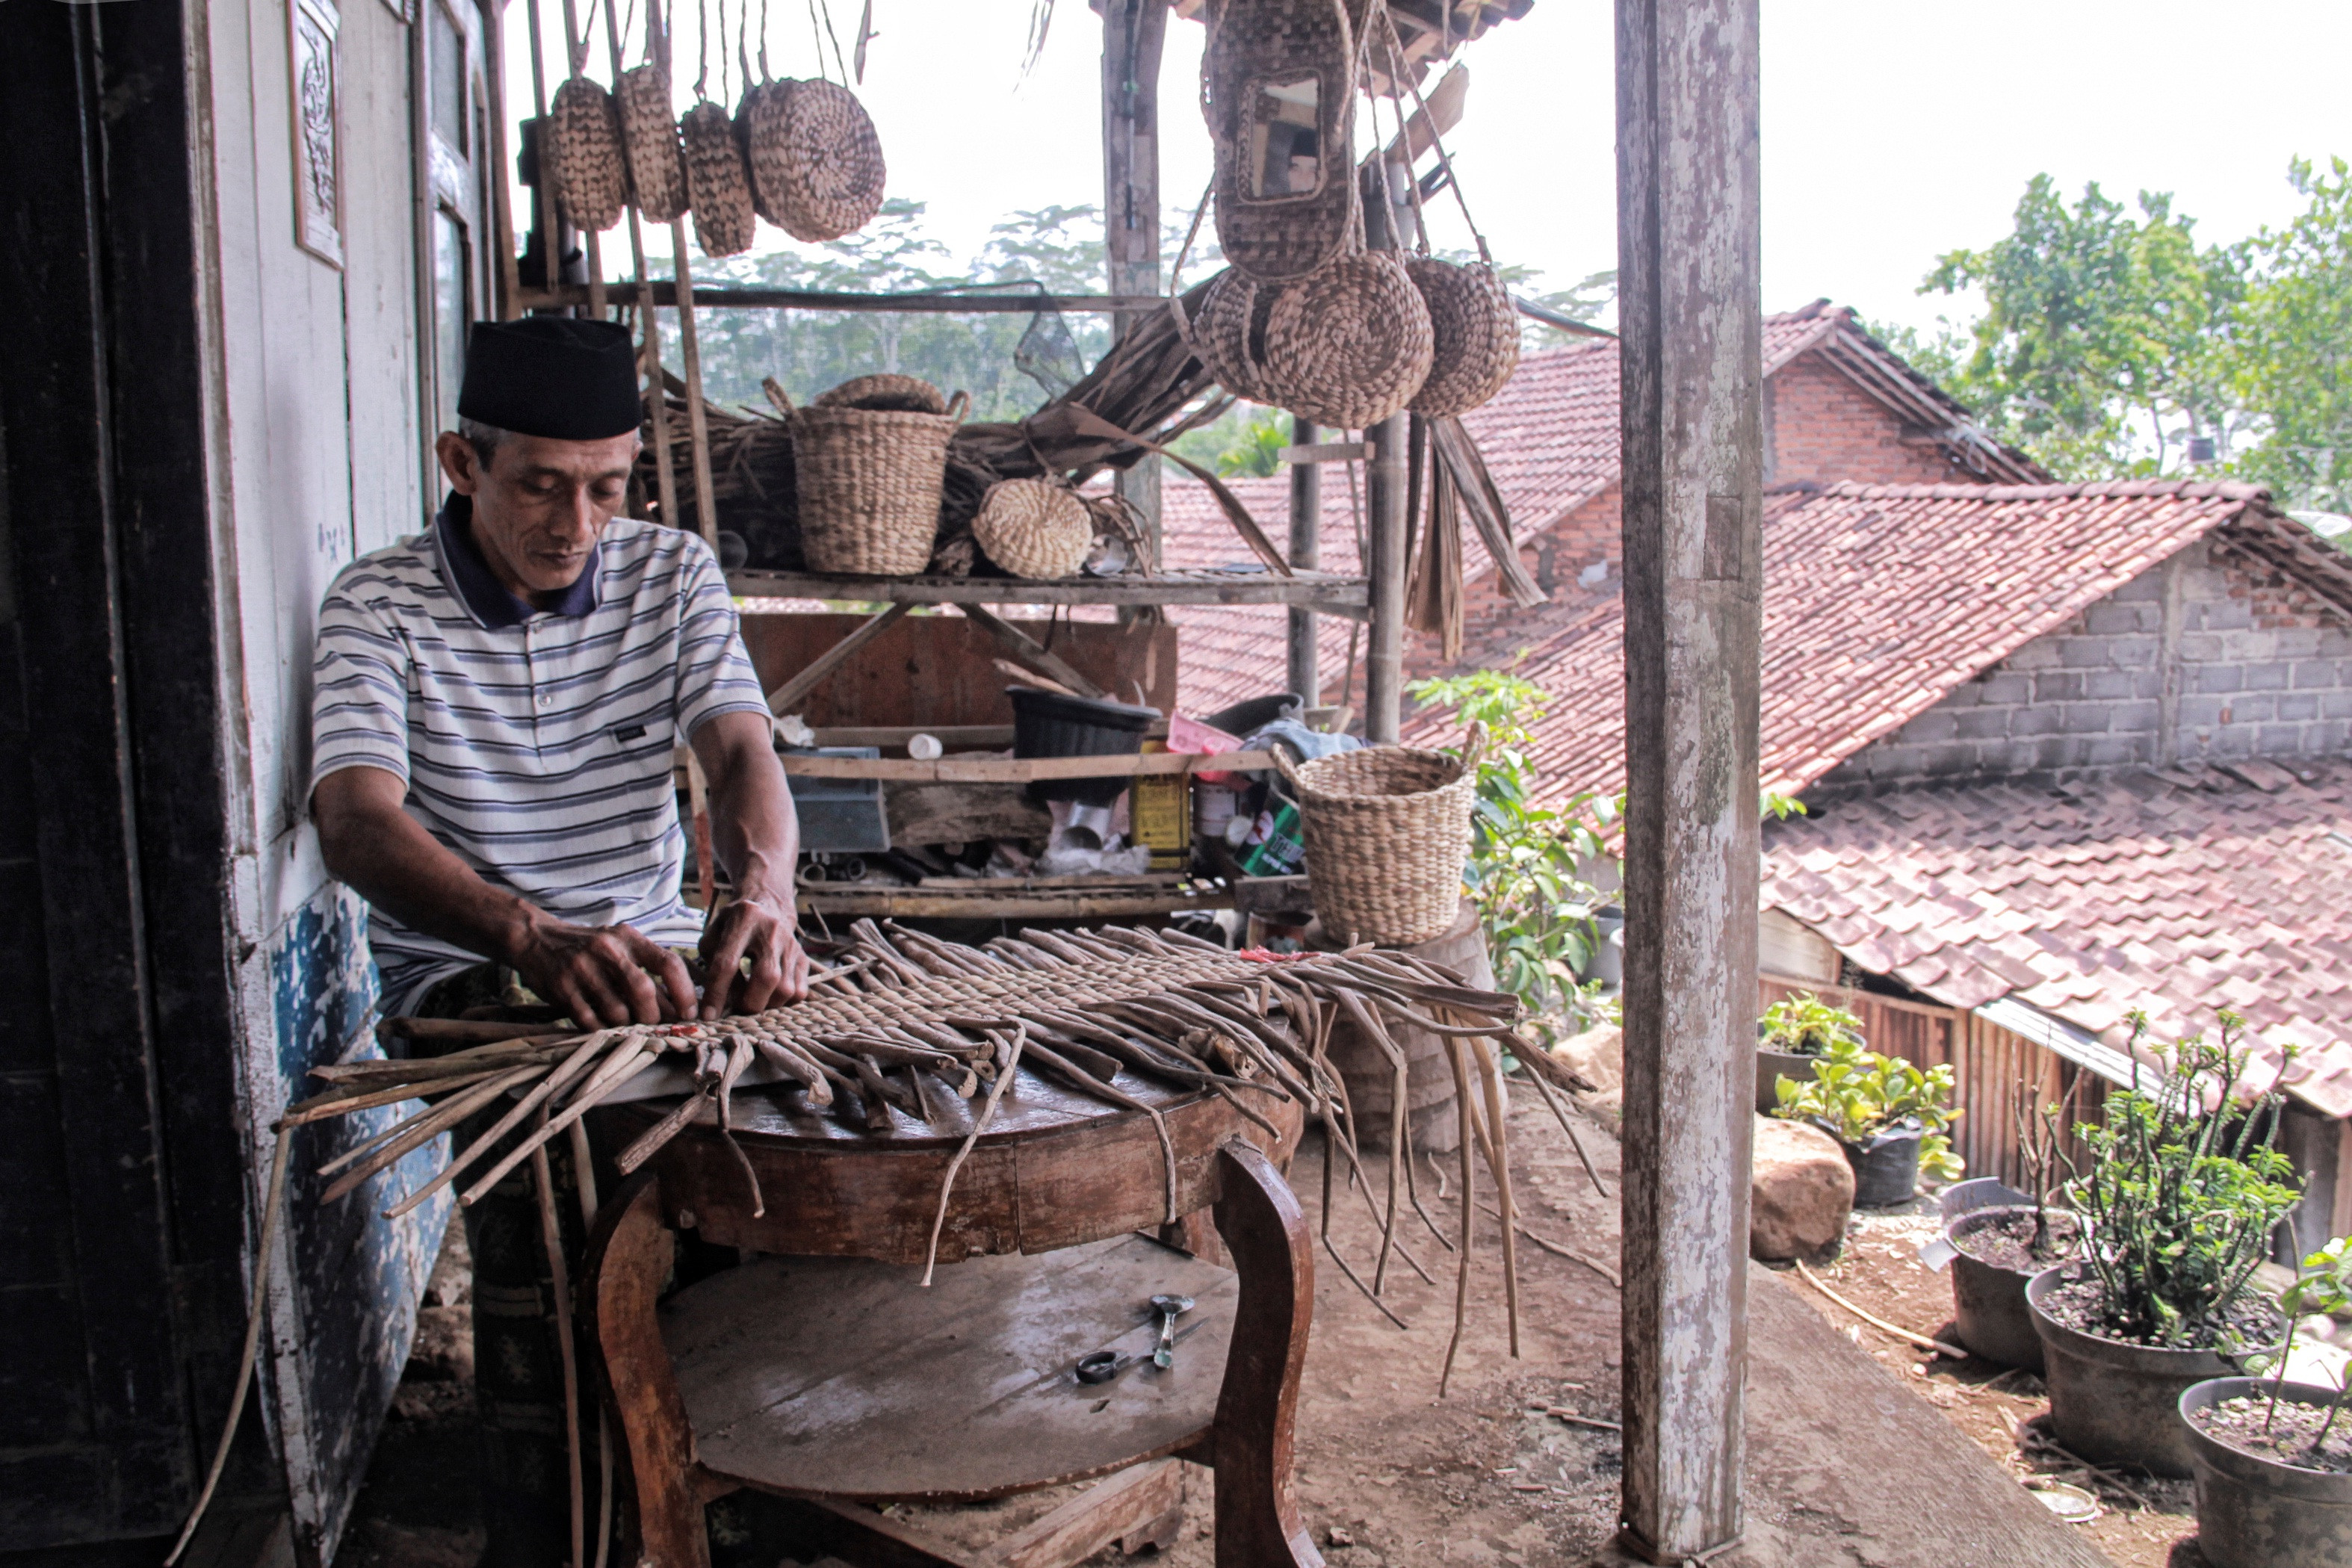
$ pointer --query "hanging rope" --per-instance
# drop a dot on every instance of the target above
(1435, 141)
(702, 50)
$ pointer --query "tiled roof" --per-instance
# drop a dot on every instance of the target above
(2176, 891)
(1878, 601)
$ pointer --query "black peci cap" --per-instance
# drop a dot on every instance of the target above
(552, 376)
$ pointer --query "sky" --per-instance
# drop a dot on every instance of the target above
(1892, 132)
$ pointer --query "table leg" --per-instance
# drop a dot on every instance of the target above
(1258, 1216)
(629, 1256)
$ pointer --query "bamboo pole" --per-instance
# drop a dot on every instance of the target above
(697, 423)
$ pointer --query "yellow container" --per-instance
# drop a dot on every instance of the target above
(1160, 813)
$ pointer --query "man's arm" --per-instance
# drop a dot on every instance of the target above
(596, 973)
(756, 835)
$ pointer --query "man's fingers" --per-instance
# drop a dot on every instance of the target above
(723, 945)
(796, 969)
(765, 984)
(605, 1004)
(578, 1005)
(617, 950)
(667, 966)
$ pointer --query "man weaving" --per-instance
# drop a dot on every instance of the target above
(497, 704)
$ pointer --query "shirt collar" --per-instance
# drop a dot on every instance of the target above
(484, 596)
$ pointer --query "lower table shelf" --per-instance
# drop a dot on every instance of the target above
(1118, 900)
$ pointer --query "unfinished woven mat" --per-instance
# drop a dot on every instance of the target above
(717, 184)
(1352, 345)
(584, 154)
(1035, 528)
(649, 131)
(1473, 332)
(1388, 832)
(817, 162)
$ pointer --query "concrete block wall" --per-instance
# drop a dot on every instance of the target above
(2206, 657)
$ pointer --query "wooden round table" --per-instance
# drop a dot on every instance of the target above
(825, 1372)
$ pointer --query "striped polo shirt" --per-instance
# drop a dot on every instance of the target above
(536, 744)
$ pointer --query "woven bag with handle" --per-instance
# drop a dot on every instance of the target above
(869, 483)
(754, 111)
(584, 154)
(1474, 333)
(1259, 45)
(1034, 527)
(717, 184)
(1388, 833)
(816, 163)
(649, 131)
(1350, 345)
(1232, 320)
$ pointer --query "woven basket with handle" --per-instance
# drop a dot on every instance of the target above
(1034, 527)
(649, 131)
(756, 110)
(816, 163)
(1352, 345)
(1474, 335)
(717, 184)
(584, 154)
(1255, 45)
(1229, 333)
(885, 391)
(1388, 832)
(870, 482)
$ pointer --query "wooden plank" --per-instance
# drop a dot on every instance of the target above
(1272, 894)
(1305, 655)
(1384, 491)
(1032, 653)
(913, 904)
(1133, 34)
(1692, 437)
(950, 736)
(1308, 450)
(920, 302)
(1040, 883)
(1021, 770)
(1127, 1501)
(961, 813)
(1333, 593)
(786, 697)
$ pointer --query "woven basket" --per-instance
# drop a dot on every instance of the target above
(870, 482)
(1276, 237)
(1388, 832)
(718, 184)
(884, 393)
(649, 131)
(1352, 345)
(756, 110)
(816, 163)
(1474, 333)
(583, 155)
(1229, 334)
(1035, 528)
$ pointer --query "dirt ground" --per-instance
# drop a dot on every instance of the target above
(1389, 1475)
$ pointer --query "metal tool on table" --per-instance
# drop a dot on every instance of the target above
(1170, 1309)
(1103, 1366)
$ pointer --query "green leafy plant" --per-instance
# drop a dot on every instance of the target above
(2323, 1286)
(1527, 870)
(1804, 1025)
(2184, 1189)
(1857, 1094)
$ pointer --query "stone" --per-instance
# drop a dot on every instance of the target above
(1597, 1056)
(1801, 1191)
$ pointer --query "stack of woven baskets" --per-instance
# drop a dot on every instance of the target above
(801, 154)
(1388, 833)
(869, 459)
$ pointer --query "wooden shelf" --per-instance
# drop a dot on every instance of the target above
(1117, 899)
(1020, 769)
(1327, 593)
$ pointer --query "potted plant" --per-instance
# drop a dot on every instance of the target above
(2180, 1201)
(1888, 1116)
(2274, 1458)
(1996, 1248)
(1793, 1033)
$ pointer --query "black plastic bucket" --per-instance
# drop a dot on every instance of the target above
(2254, 1512)
(1047, 724)
(1886, 1168)
(1253, 713)
(1988, 1314)
(1772, 1066)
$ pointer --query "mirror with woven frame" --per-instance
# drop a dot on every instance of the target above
(1285, 152)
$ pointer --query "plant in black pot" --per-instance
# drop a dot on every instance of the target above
(2274, 1458)
(1996, 1248)
(1795, 1032)
(2183, 1193)
(1888, 1116)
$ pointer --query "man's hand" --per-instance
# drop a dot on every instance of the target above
(610, 975)
(751, 928)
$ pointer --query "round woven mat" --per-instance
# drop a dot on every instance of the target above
(716, 182)
(584, 154)
(1034, 527)
(815, 160)
(1233, 317)
(1349, 346)
(649, 131)
(1473, 332)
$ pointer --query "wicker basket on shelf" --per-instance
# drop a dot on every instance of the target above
(717, 186)
(816, 163)
(649, 131)
(1035, 528)
(1473, 332)
(1388, 833)
(883, 391)
(1352, 345)
(584, 154)
(870, 481)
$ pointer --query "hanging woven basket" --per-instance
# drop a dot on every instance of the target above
(1281, 110)
(1349, 346)
(1034, 527)
(751, 112)
(1474, 335)
(718, 185)
(649, 131)
(883, 392)
(1388, 833)
(870, 482)
(1229, 334)
(816, 164)
(583, 155)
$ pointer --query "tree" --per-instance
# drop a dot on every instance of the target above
(2108, 339)
(2295, 346)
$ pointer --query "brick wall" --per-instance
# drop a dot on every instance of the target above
(1822, 428)
(2206, 656)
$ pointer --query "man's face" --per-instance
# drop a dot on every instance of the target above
(539, 505)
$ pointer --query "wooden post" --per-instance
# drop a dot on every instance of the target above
(1306, 552)
(1688, 252)
(1133, 31)
(1386, 480)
